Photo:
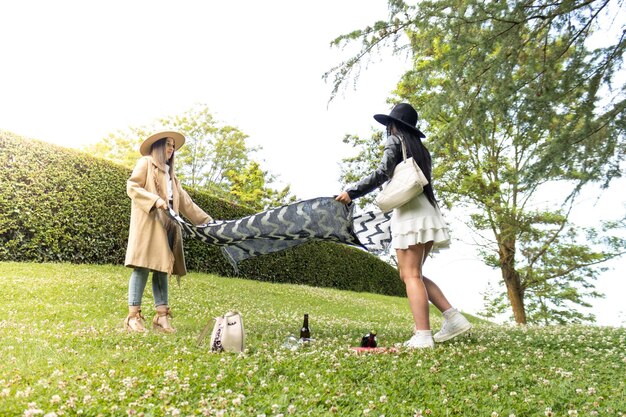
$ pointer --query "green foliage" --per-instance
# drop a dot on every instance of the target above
(218, 158)
(60, 205)
(367, 160)
(515, 98)
(248, 186)
(121, 147)
(70, 356)
(215, 158)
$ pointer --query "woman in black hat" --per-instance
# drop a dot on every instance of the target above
(417, 228)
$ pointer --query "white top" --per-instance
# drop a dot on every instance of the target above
(168, 180)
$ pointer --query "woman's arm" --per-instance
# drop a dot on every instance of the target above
(391, 156)
(191, 210)
(143, 198)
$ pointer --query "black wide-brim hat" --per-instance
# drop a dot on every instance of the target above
(403, 114)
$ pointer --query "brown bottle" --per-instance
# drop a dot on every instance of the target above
(305, 333)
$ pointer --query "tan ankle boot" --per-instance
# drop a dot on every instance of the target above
(134, 321)
(161, 322)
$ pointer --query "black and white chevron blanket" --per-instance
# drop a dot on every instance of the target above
(318, 219)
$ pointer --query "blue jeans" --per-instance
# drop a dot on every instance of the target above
(137, 285)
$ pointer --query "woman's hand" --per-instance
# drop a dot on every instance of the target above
(344, 198)
(161, 204)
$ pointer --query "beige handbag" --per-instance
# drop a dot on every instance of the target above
(228, 334)
(407, 181)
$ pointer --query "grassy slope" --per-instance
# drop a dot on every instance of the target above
(63, 351)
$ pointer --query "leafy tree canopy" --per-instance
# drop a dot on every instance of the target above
(517, 97)
(215, 158)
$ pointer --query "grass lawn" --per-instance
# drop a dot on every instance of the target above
(63, 351)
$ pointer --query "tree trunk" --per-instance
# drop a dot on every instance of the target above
(512, 280)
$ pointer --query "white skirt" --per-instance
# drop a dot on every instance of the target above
(419, 222)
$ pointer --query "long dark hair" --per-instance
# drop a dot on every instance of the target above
(418, 151)
(157, 150)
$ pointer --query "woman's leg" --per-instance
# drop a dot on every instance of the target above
(160, 288)
(410, 266)
(137, 285)
(435, 295)
(454, 323)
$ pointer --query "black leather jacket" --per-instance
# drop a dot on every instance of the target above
(391, 157)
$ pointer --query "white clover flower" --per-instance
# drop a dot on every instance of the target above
(56, 399)
(236, 401)
(383, 399)
(291, 409)
(71, 402)
(32, 410)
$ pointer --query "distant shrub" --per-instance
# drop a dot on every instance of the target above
(61, 205)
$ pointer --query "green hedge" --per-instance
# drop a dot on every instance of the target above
(61, 205)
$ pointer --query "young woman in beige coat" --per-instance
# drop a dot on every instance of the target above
(154, 241)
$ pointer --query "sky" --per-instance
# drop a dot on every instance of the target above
(75, 71)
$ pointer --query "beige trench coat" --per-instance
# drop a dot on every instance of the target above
(147, 238)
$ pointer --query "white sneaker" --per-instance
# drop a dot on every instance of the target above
(420, 341)
(452, 327)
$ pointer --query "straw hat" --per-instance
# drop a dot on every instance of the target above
(179, 140)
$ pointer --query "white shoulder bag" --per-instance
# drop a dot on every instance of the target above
(407, 181)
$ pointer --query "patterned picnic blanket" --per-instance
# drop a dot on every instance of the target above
(318, 219)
